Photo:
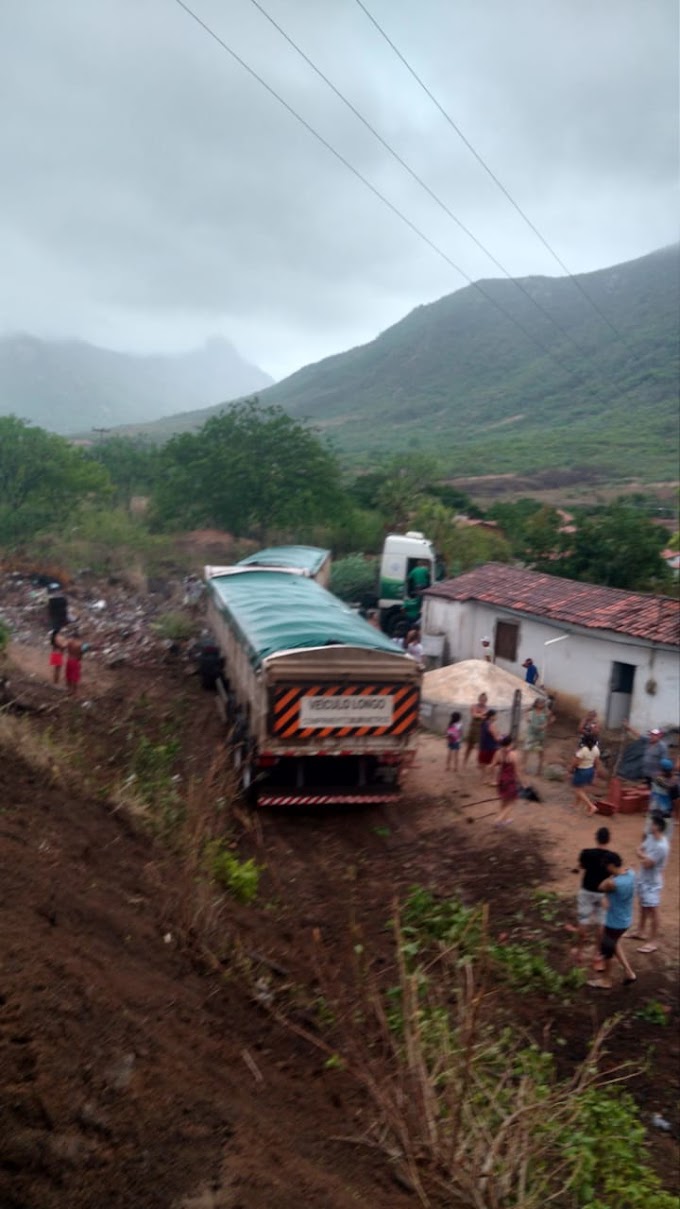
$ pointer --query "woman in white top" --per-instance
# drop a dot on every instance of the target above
(583, 772)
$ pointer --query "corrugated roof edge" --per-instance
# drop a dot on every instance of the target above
(654, 618)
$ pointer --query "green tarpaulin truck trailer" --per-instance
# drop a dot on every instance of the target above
(320, 706)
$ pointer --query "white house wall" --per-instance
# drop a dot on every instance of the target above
(578, 669)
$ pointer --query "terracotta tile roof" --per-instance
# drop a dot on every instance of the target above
(653, 618)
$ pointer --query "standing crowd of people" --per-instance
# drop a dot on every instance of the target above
(609, 890)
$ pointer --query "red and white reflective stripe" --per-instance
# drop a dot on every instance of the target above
(325, 799)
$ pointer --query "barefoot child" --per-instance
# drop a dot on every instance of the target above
(507, 780)
(454, 734)
(57, 646)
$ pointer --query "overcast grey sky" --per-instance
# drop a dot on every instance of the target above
(153, 194)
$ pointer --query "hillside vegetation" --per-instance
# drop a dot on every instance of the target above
(460, 378)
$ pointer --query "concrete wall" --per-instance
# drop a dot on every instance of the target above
(578, 669)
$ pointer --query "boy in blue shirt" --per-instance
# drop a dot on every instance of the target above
(619, 887)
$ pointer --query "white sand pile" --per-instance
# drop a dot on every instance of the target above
(461, 683)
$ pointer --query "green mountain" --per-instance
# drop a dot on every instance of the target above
(458, 377)
(69, 386)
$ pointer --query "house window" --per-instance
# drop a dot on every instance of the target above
(505, 645)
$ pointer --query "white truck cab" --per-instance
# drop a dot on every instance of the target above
(397, 597)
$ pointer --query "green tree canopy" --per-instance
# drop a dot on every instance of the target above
(399, 484)
(42, 479)
(461, 546)
(248, 470)
(132, 466)
(617, 546)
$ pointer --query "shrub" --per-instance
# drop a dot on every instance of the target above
(354, 577)
(177, 627)
(150, 792)
(240, 878)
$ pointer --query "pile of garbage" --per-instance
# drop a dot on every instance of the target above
(119, 624)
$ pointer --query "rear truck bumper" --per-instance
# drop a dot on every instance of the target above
(327, 799)
(330, 781)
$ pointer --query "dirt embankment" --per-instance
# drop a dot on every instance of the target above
(142, 1068)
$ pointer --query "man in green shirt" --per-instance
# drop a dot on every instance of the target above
(419, 578)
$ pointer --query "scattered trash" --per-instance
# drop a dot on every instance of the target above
(660, 1122)
(168, 938)
(118, 627)
(263, 993)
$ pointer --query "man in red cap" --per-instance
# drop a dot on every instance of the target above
(655, 750)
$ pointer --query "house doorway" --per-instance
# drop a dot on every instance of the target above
(620, 693)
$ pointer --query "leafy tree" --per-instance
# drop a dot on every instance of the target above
(132, 466)
(354, 577)
(352, 529)
(470, 547)
(461, 546)
(42, 479)
(365, 489)
(397, 487)
(406, 480)
(514, 517)
(618, 547)
(249, 469)
(455, 499)
(540, 538)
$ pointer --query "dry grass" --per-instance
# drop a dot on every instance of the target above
(196, 907)
(35, 747)
(469, 1111)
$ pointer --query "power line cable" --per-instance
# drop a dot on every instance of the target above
(364, 180)
(489, 171)
(414, 175)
